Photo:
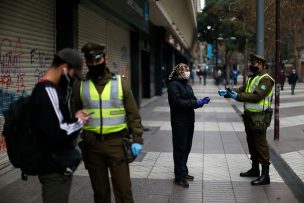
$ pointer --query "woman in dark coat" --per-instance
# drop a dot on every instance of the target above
(182, 104)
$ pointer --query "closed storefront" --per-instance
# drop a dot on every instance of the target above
(27, 46)
(93, 27)
(118, 49)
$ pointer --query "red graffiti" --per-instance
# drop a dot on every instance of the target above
(20, 83)
(11, 59)
(2, 144)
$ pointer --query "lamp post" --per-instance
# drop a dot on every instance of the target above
(277, 72)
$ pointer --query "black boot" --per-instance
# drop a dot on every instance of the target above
(264, 179)
(253, 172)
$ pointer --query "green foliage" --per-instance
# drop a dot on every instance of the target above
(227, 18)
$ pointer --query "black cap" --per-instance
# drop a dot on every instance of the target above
(258, 58)
(73, 59)
(93, 51)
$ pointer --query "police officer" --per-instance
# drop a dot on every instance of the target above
(257, 97)
(115, 117)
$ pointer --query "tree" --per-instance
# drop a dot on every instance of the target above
(292, 23)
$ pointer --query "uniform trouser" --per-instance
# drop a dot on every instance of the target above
(258, 146)
(55, 188)
(182, 135)
(97, 158)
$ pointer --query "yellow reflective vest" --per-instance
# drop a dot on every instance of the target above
(264, 103)
(108, 107)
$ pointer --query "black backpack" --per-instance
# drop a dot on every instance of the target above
(23, 148)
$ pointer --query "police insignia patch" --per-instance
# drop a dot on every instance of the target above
(263, 87)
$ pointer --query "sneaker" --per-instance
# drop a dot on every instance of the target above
(189, 177)
(182, 183)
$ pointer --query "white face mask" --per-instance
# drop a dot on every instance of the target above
(186, 75)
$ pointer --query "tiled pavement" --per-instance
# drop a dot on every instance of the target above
(218, 154)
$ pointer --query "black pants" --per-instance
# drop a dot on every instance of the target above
(182, 135)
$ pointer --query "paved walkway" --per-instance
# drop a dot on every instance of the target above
(218, 155)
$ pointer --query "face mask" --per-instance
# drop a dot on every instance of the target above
(186, 75)
(98, 70)
(253, 68)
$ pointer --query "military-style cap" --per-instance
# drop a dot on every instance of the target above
(255, 57)
(73, 59)
(93, 51)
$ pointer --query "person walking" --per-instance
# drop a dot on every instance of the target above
(204, 74)
(199, 74)
(257, 97)
(292, 80)
(55, 127)
(282, 79)
(182, 104)
(114, 131)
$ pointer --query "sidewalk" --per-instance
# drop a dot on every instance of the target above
(218, 155)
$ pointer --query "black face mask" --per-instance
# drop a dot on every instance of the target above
(254, 68)
(98, 70)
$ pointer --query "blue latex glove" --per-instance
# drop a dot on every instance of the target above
(222, 92)
(199, 103)
(233, 95)
(136, 149)
(206, 100)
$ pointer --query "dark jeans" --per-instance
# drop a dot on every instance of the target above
(182, 135)
(293, 86)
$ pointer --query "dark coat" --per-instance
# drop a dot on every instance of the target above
(293, 78)
(181, 100)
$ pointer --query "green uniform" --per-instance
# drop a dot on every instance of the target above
(257, 142)
(103, 152)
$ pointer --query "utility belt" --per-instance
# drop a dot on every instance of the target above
(91, 137)
(258, 121)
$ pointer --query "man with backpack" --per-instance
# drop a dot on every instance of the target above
(54, 126)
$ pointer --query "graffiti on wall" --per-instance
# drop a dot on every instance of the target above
(11, 69)
(40, 60)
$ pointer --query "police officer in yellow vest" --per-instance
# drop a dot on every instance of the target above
(114, 118)
(257, 98)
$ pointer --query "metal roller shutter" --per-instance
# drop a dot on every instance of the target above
(118, 49)
(91, 27)
(27, 46)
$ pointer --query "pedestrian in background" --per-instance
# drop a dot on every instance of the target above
(257, 97)
(204, 74)
(182, 104)
(292, 80)
(114, 131)
(235, 74)
(56, 127)
(199, 74)
(282, 79)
